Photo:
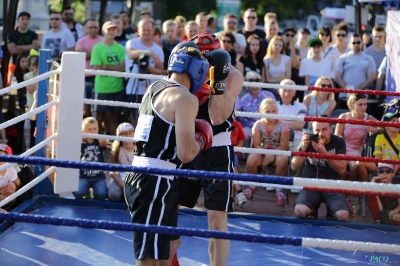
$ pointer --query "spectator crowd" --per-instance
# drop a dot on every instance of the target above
(332, 59)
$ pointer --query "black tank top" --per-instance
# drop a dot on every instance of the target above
(226, 126)
(155, 136)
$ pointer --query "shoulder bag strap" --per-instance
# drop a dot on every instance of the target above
(391, 143)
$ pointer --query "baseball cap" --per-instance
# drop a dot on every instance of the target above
(24, 13)
(313, 42)
(252, 75)
(381, 165)
(108, 24)
(388, 116)
(304, 30)
(124, 127)
(289, 29)
(6, 148)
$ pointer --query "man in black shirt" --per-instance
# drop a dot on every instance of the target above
(323, 142)
(250, 19)
(22, 40)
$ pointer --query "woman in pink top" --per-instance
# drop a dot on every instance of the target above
(354, 135)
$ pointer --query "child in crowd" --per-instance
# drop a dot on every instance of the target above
(383, 147)
(237, 138)
(121, 153)
(269, 134)
(92, 151)
(9, 181)
(385, 210)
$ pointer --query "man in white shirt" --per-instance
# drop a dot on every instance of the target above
(288, 106)
(57, 39)
(230, 23)
(316, 66)
(136, 51)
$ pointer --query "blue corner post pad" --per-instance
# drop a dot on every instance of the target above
(45, 187)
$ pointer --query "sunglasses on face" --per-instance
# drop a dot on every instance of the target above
(69, 13)
(254, 80)
(324, 35)
(251, 17)
(387, 171)
(289, 35)
(377, 36)
(356, 43)
(341, 35)
(232, 22)
(54, 18)
(326, 85)
(226, 41)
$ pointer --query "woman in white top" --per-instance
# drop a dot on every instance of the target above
(341, 32)
(328, 52)
(278, 66)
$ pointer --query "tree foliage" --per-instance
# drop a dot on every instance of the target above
(284, 9)
(77, 5)
(187, 8)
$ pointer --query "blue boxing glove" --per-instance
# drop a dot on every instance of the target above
(220, 62)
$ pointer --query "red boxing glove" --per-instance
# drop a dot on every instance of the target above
(203, 133)
(203, 93)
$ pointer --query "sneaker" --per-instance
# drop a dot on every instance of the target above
(295, 190)
(241, 199)
(270, 188)
(280, 198)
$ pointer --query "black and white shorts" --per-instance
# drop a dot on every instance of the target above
(217, 193)
(152, 200)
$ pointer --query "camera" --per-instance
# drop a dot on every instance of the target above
(143, 63)
(314, 137)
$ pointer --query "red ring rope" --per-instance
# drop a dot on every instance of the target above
(371, 92)
(352, 121)
(354, 192)
(343, 157)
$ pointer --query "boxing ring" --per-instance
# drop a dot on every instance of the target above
(60, 231)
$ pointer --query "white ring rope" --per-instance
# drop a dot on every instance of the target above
(263, 151)
(30, 81)
(122, 74)
(31, 150)
(28, 186)
(150, 76)
(256, 184)
(107, 137)
(27, 114)
(350, 245)
(111, 103)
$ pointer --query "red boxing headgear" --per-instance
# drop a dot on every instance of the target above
(206, 42)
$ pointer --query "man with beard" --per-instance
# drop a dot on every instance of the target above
(69, 23)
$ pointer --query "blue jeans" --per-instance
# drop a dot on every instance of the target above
(100, 190)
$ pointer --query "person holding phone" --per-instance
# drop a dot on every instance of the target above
(323, 142)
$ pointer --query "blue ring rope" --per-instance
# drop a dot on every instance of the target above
(168, 230)
(148, 170)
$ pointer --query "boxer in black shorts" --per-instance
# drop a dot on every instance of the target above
(217, 102)
(167, 114)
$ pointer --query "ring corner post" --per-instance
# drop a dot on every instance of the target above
(45, 187)
(70, 113)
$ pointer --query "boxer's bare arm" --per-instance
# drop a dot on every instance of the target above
(221, 106)
(186, 107)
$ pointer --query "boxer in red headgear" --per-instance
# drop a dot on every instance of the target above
(217, 97)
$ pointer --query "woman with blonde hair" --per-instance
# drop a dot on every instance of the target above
(278, 66)
(320, 102)
(354, 135)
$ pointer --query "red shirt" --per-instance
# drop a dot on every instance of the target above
(238, 133)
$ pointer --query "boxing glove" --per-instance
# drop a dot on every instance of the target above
(220, 62)
(203, 93)
(203, 133)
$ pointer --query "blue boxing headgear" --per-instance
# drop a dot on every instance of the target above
(197, 68)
